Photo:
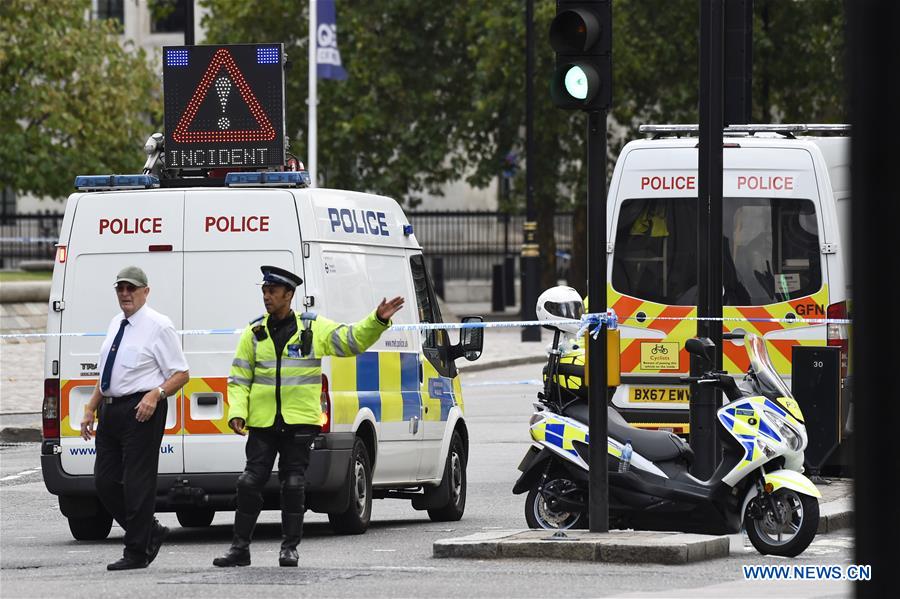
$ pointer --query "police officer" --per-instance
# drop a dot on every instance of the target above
(274, 391)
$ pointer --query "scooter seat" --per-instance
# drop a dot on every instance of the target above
(656, 446)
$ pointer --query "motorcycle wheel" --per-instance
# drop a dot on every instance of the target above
(538, 514)
(786, 529)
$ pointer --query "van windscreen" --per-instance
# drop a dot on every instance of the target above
(771, 250)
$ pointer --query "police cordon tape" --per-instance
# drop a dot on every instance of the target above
(589, 322)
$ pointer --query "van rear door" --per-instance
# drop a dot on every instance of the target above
(229, 234)
(772, 266)
(110, 231)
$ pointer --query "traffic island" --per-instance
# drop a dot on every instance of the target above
(620, 546)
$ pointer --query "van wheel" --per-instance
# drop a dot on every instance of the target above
(195, 517)
(455, 478)
(91, 528)
(355, 520)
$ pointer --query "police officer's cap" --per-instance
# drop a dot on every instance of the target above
(272, 275)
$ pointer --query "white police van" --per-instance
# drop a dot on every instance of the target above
(395, 413)
(786, 244)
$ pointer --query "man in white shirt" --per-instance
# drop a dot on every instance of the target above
(141, 364)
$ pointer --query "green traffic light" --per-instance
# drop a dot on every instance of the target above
(576, 82)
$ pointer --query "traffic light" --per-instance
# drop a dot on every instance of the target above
(581, 36)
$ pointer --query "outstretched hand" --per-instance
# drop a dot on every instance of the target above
(386, 308)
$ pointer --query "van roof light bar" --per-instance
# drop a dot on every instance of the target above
(268, 179)
(788, 129)
(109, 182)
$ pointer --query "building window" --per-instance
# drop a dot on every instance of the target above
(110, 9)
(167, 16)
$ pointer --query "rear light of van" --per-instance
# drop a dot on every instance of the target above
(838, 334)
(50, 410)
(325, 398)
(61, 254)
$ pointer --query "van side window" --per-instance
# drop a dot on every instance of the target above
(770, 245)
(435, 343)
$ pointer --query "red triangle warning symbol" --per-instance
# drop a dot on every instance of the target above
(222, 58)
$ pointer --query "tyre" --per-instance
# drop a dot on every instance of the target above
(355, 520)
(455, 479)
(788, 527)
(541, 513)
(195, 517)
(91, 528)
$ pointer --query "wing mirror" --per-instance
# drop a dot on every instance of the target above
(702, 347)
(471, 341)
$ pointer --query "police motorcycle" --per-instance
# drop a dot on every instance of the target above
(758, 485)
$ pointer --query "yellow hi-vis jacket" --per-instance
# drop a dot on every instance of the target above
(256, 369)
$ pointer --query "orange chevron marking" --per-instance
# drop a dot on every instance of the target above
(631, 356)
(762, 327)
(666, 326)
(626, 306)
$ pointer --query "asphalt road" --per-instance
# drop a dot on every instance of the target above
(38, 557)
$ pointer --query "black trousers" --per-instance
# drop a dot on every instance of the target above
(126, 466)
(292, 444)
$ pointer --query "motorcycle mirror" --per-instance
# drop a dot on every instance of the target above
(702, 347)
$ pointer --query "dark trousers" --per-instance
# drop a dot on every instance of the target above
(126, 466)
(292, 444)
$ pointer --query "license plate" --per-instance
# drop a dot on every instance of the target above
(662, 394)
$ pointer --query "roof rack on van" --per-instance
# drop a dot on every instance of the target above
(786, 129)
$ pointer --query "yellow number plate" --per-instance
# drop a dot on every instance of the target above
(666, 394)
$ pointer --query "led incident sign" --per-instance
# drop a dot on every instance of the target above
(224, 105)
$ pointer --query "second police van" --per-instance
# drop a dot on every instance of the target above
(786, 198)
(395, 425)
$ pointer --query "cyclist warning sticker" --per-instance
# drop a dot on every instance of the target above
(659, 356)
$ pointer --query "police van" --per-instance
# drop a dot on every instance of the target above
(786, 199)
(394, 415)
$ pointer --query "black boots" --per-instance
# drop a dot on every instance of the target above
(239, 553)
(291, 531)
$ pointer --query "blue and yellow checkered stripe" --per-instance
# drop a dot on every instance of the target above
(387, 383)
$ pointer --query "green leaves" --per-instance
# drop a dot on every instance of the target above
(75, 100)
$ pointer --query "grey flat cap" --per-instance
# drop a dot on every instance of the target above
(133, 275)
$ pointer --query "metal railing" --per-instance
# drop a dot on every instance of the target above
(471, 243)
(28, 237)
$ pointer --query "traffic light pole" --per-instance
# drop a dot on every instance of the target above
(705, 400)
(598, 498)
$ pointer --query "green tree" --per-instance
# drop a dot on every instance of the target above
(436, 90)
(390, 128)
(74, 99)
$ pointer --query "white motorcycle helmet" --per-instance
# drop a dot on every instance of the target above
(561, 303)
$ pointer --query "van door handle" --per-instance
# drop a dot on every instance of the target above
(421, 372)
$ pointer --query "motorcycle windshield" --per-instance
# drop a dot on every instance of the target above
(770, 383)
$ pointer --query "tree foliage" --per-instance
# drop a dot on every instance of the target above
(436, 90)
(74, 100)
